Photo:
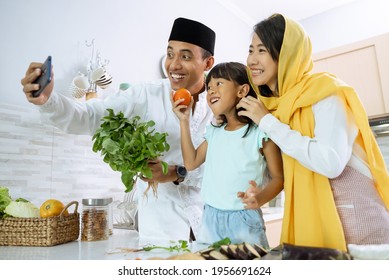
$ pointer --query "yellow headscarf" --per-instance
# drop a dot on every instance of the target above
(311, 218)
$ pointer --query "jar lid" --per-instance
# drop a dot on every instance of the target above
(96, 201)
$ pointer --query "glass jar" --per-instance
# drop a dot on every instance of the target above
(96, 219)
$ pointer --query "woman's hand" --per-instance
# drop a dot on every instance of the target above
(32, 73)
(181, 111)
(254, 108)
(250, 197)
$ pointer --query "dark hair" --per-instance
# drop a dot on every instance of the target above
(237, 73)
(205, 54)
(271, 32)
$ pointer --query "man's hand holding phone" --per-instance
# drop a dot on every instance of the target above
(38, 82)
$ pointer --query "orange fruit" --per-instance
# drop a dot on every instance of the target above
(52, 207)
(183, 93)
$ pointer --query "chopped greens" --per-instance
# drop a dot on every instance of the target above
(218, 244)
(182, 246)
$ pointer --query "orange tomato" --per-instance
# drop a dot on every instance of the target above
(52, 207)
(183, 93)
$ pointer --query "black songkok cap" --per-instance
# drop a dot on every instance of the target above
(193, 32)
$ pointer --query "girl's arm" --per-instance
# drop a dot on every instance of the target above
(255, 197)
(192, 158)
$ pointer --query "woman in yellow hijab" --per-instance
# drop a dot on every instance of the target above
(336, 182)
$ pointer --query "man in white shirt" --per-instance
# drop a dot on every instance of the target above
(176, 213)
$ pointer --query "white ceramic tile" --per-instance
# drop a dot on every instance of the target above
(38, 161)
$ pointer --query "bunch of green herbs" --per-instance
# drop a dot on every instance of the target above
(128, 145)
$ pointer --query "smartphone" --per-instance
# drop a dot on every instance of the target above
(45, 78)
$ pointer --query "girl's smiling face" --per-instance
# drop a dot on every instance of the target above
(264, 69)
(222, 96)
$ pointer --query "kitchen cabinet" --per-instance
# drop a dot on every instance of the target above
(273, 222)
(363, 65)
(273, 232)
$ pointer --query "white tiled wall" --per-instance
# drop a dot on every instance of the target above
(38, 161)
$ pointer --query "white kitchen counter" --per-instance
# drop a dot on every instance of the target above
(82, 250)
(111, 249)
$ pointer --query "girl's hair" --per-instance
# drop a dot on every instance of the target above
(237, 73)
(271, 32)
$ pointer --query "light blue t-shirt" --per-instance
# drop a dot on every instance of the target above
(231, 162)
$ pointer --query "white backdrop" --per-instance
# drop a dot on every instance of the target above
(133, 35)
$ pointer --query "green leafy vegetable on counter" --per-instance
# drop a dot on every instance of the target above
(127, 145)
(182, 246)
(5, 199)
(20, 207)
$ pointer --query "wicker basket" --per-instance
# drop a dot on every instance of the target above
(40, 231)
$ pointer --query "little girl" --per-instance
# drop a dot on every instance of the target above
(236, 154)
